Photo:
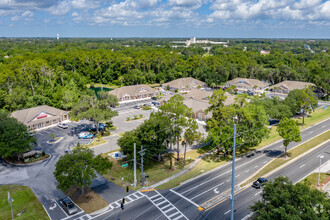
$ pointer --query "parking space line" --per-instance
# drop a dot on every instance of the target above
(60, 207)
(78, 213)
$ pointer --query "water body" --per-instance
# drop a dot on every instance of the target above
(98, 89)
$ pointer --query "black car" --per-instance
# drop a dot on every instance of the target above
(260, 182)
(154, 98)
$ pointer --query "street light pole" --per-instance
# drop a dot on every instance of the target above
(233, 176)
(321, 157)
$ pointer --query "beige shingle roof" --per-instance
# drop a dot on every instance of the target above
(134, 90)
(251, 82)
(182, 83)
(291, 85)
(26, 115)
(198, 94)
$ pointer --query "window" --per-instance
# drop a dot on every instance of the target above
(54, 121)
(47, 122)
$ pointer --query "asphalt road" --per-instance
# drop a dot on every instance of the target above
(188, 196)
(296, 171)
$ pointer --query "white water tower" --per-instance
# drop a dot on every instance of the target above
(57, 36)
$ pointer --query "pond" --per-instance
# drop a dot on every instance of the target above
(98, 89)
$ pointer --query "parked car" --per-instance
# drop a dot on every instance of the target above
(260, 182)
(137, 107)
(85, 135)
(101, 127)
(62, 125)
(147, 104)
(154, 98)
(69, 206)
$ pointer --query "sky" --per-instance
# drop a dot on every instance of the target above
(166, 18)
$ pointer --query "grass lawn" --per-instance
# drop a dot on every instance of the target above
(202, 166)
(156, 172)
(89, 202)
(293, 153)
(96, 142)
(314, 118)
(313, 179)
(24, 199)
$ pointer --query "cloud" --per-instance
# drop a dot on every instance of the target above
(281, 10)
(26, 15)
(62, 8)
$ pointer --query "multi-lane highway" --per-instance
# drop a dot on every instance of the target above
(182, 202)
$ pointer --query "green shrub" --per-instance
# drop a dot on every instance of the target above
(43, 153)
(128, 119)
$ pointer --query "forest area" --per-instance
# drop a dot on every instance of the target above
(55, 72)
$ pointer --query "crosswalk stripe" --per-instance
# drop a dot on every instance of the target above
(174, 214)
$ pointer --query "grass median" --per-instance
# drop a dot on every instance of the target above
(156, 172)
(293, 154)
(312, 179)
(24, 199)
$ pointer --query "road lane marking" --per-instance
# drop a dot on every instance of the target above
(247, 171)
(227, 180)
(238, 175)
(227, 212)
(323, 126)
(207, 190)
(60, 207)
(311, 132)
(302, 166)
(257, 193)
(220, 175)
(182, 196)
(265, 162)
(256, 166)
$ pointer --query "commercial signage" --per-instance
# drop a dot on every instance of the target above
(42, 116)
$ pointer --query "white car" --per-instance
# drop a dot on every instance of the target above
(62, 125)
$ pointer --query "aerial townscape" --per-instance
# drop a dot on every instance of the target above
(164, 110)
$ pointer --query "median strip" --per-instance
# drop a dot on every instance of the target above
(297, 152)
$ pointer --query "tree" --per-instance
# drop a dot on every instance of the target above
(94, 109)
(283, 200)
(302, 100)
(15, 138)
(77, 169)
(289, 131)
(178, 114)
(190, 135)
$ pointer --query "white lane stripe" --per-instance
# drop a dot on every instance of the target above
(238, 175)
(227, 212)
(60, 207)
(247, 171)
(227, 180)
(207, 191)
(311, 132)
(189, 200)
(302, 166)
(221, 174)
(257, 193)
(265, 161)
(72, 215)
(256, 166)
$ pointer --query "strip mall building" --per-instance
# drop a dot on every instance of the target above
(40, 116)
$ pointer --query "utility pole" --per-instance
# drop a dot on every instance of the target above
(233, 176)
(134, 164)
(142, 153)
(11, 205)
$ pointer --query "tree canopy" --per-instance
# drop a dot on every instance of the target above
(289, 131)
(15, 137)
(282, 200)
(77, 169)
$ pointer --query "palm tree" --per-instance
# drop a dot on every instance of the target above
(121, 79)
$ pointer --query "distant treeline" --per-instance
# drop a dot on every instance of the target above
(55, 72)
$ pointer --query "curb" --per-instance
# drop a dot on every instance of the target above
(55, 141)
(229, 162)
(289, 162)
(100, 211)
(29, 164)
